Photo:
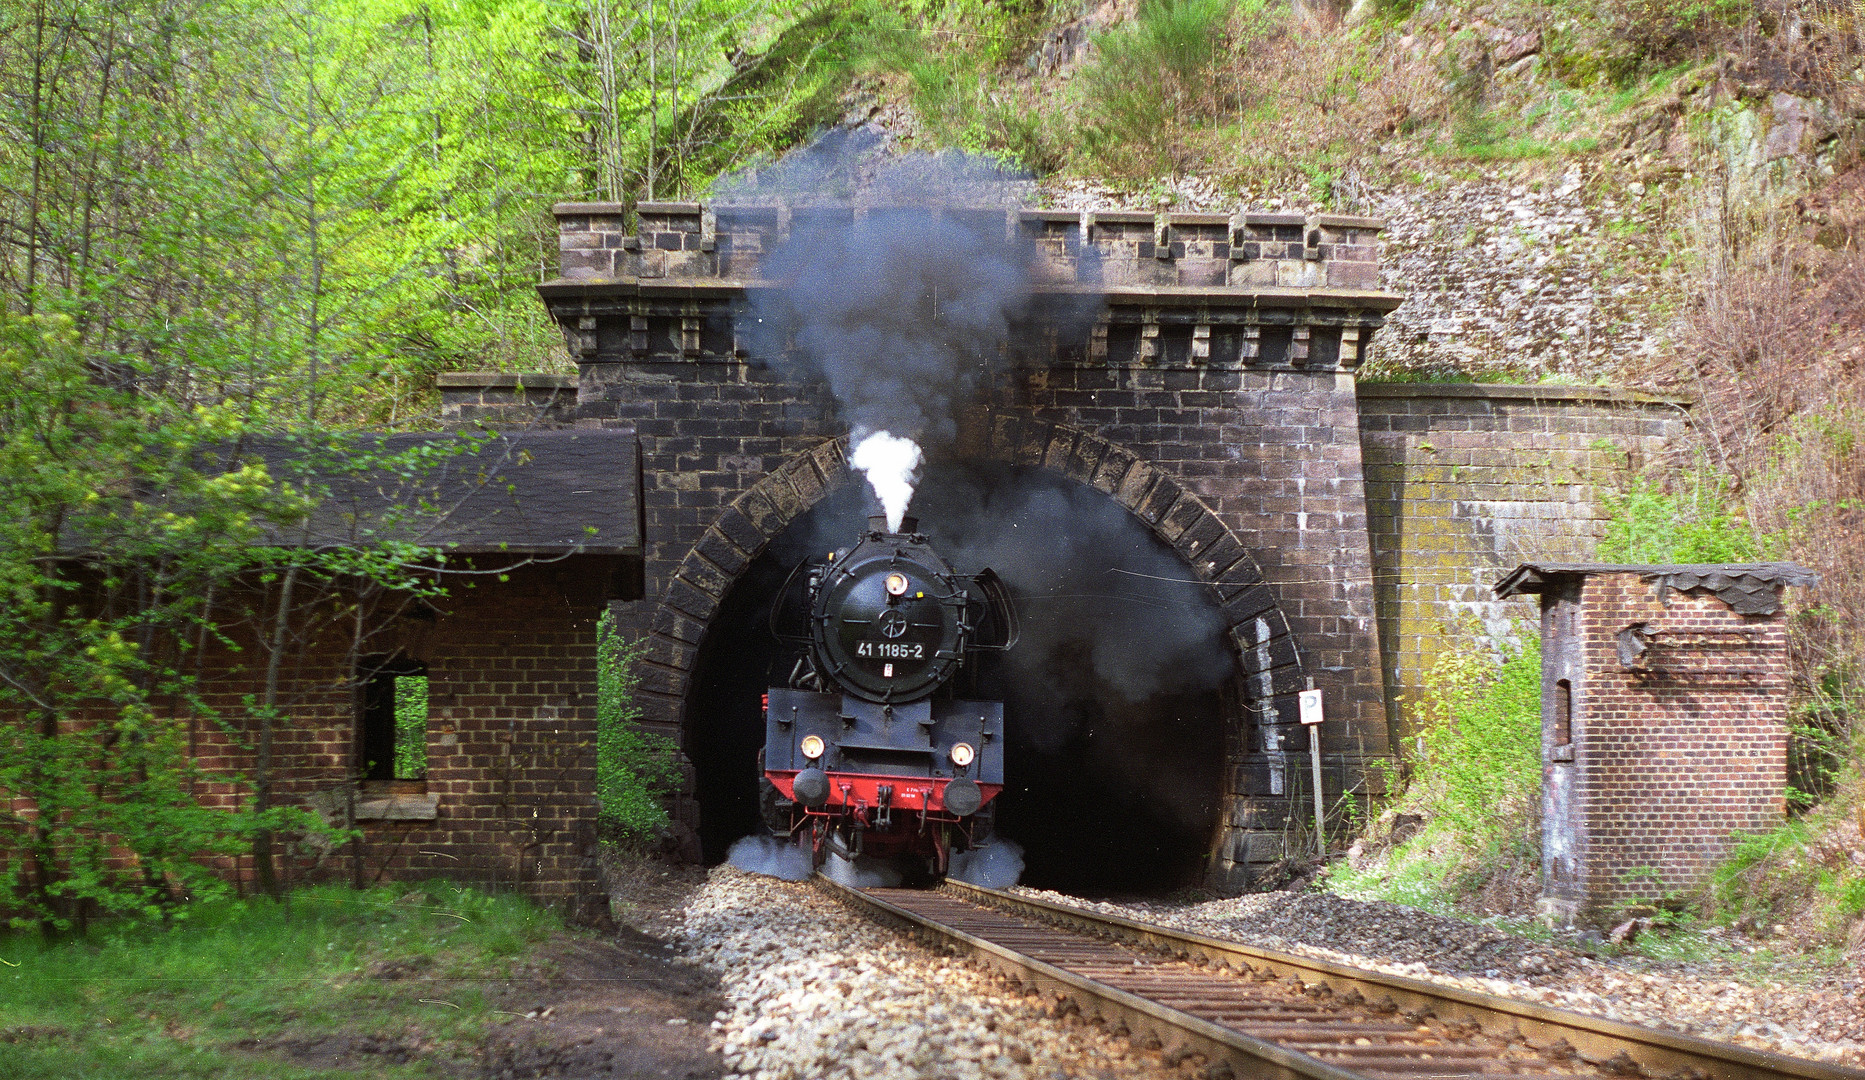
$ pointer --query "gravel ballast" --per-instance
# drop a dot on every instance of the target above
(1809, 1014)
(814, 990)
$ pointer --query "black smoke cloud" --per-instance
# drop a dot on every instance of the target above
(904, 313)
(1107, 612)
(902, 284)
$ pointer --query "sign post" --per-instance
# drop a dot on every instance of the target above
(1311, 718)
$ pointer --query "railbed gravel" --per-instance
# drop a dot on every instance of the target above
(1793, 1009)
(815, 991)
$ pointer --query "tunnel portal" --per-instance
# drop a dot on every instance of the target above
(1115, 697)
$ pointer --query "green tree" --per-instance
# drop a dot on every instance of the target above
(108, 589)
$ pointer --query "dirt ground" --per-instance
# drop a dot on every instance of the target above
(614, 1006)
(609, 1005)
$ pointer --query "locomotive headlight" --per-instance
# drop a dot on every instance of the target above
(962, 754)
(812, 746)
(896, 584)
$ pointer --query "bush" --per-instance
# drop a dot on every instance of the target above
(635, 768)
(1800, 873)
(1683, 520)
(1466, 823)
(1478, 763)
(1159, 75)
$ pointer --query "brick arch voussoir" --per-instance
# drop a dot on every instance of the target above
(725, 550)
(1219, 557)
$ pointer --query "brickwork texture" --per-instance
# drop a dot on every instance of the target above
(509, 800)
(1664, 761)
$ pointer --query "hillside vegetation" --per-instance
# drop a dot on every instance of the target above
(1654, 193)
(218, 219)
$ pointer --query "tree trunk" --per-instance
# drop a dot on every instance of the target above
(263, 869)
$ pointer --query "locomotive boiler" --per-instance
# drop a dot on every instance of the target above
(871, 748)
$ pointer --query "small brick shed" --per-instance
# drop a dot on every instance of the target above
(540, 531)
(1663, 731)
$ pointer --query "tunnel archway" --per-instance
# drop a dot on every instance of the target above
(1120, 702)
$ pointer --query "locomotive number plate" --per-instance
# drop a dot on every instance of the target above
(890, 650)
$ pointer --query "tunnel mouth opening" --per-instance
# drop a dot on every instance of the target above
(1117, 700)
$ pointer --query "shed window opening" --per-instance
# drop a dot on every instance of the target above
(1563, 713)
(393, 736)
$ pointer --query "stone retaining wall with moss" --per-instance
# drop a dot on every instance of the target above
(1466, 480)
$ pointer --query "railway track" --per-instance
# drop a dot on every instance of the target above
(1237, 1011)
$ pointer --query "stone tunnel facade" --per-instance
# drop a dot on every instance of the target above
(1214, 397)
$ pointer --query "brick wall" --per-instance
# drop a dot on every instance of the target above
(509, 799)
(505, 399)
(1463, 482)
(1673, 756)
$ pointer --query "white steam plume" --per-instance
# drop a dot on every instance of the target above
(862, 872)
(890, 462)
(995, 864)
(772, 857)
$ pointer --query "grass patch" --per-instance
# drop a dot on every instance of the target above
(209, 996)
(1801, 874)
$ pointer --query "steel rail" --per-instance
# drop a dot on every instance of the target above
(1228, 1053)
(1317, 1009)
(1646, 1051)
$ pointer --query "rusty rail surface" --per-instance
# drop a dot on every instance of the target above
(1243, 1011)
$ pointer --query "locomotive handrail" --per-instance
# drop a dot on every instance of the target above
(778, 606)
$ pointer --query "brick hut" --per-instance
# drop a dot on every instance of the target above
(1663, 724)
(540, 530)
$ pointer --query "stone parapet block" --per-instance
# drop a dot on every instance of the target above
(684, 240)
(529, 398)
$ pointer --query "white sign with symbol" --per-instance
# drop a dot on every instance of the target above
(1311, 706)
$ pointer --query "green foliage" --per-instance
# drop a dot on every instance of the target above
(1618, 42)
(196, 999)
(102, 614)
(139, 534)
(353, 191)
(948, 51)
(1478, 766)
(1156, 75)
(1684, 520)
(635, 768)
(242, 221)
(1474, 781)
(411, 727)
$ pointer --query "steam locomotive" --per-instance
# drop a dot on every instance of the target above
(869, 749)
